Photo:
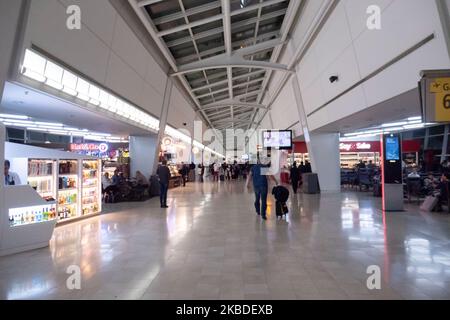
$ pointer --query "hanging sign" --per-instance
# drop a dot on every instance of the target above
(435, 96)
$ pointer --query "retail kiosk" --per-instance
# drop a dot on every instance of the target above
(58, 187)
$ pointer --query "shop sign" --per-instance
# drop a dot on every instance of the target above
(359, 147)
(91, 147)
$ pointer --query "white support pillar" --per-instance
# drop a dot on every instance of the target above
(2, 159)
(323, 149)
(162, 121)
(11, 15)
(443, 7)
(325, 160)
(142, 149)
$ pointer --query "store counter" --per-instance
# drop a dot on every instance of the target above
(27, 220)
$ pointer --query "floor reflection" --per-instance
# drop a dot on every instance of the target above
(210, 244)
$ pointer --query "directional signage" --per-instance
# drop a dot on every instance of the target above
(435, 95)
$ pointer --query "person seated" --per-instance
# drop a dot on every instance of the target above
(414, 174)
(141, 180)
(11, 178)
(442, 191)
(430, 183)
(116, 178)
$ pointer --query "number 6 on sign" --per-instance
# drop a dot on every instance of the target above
(446, 102)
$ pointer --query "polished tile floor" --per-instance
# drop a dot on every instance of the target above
(210, 245)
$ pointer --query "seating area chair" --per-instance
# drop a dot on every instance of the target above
(364, 179)
(414, 188)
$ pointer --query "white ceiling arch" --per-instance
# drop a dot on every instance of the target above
(223, 52)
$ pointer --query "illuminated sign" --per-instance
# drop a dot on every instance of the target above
(360, 146)
(101, 147)
(167, 141)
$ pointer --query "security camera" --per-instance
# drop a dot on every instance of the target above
(333, 79)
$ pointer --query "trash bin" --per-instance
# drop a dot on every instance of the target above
(310, 183)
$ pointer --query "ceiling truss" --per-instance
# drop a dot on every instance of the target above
(222, 51)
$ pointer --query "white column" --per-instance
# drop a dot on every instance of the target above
(162, 122)
(10, 28)
(323, 149)
(443, 7)
(325, 160)
(2, 180)
(142, 150)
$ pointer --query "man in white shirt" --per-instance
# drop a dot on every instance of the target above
(216, 171)
(11, 178)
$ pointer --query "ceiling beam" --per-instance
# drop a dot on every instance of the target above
(234, 62)
(226, 10)
(148, 24)
(289, 19)
(232, 87)
(217, 17)
(144, 3)
(215, 50)
(219, 30)
(189, 12)
(234, 102)
(219, 83)
(240, 53)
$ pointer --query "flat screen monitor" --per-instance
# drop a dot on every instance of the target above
(277, 139)
(392, 149)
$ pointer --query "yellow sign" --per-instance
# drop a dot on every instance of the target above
(441, 88)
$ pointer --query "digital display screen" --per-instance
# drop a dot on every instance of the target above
(392, 149)
(277, 139)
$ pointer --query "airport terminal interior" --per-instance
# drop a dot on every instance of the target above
(225, 150)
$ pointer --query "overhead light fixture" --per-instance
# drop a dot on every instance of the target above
(394, 129)
(13, 116)
(415, 118)
(34, 66)
(39, 68)
(33, 75)
(394, 124)
(49, 124)
(414, 126)
(69, 82)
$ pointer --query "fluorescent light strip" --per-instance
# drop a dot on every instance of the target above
(39, 68)
(13, 116)
(59, 129)
(394, 124)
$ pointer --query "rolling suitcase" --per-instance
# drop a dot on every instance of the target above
(429, 204)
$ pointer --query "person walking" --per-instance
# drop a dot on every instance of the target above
(163, 173)
(260, 187)
(216, 171)
(184, 173)
(294, 177)
(308, 168)
(201, 171)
